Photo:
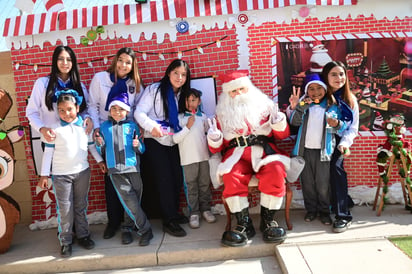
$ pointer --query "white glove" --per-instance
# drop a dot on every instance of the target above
(276, 118)
(213, 133)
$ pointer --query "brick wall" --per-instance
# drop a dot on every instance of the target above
(361, 166)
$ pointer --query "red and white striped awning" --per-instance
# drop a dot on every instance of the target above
(152, 11)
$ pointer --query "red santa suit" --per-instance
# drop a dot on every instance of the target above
(249, 149)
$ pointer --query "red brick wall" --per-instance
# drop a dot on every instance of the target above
(361, 166)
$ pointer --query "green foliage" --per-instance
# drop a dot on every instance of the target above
(404, 244)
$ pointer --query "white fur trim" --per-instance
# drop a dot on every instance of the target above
(296, 166)
(237, 83)
(315, 82)
(215, 143)
(237, 203)
(271, 202)
(120, 104)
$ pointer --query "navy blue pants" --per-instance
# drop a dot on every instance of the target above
(162, 174)
(340, 199)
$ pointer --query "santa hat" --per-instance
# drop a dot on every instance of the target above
(314, 78)
(235, 79)
(121, 100)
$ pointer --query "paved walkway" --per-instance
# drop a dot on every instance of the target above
(309, 248)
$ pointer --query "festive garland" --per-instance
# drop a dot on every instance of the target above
(143, 53)
(394, 145)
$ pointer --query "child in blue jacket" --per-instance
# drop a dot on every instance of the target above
(315, 142)
(119, 139)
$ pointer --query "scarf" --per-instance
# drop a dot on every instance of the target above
(346, 111)
(171, 103)
(60, 85)
(118, 87)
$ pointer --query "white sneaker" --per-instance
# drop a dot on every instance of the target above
(208, 216)
(194, 221)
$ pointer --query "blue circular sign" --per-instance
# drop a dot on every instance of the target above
(182, 26)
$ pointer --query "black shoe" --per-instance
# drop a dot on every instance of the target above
(86, 242)
(174, 229)
(340, 225)
(325, 218)
(66, 251)
(146, 237)
(234, 238)
(127, 237)
(182, 219)
(109, 232)
(310, 216)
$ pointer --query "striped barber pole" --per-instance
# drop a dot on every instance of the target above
(152, 11)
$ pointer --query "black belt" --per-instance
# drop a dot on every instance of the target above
(251, 140)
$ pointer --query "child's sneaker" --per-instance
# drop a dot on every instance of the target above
(208, 216)
(194, 221)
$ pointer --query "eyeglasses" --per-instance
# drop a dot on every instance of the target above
(62, 59)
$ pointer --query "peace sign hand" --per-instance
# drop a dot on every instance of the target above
(213, 133)
(294, 97)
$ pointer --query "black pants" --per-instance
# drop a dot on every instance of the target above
(162, 180)
(339, 186)
(114, 208)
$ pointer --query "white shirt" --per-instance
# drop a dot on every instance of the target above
(146, 116)
(314, 129)
(69, 155)
(192, 142)
(37, 112)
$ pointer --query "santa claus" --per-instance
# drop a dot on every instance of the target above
(246, 126)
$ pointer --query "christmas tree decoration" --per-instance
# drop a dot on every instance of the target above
(395, 150)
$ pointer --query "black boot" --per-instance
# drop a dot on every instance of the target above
(272, 233)
(243, 231)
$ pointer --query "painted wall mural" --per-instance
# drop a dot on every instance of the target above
(379, 69)
(9, 208)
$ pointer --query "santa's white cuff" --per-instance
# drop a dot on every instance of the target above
(271, 202)
(237, 203)
(215, 143)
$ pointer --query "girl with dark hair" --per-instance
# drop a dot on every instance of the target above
(41, 107)
(157, 114)
(335, 76)
(66, 158)
(121, 77)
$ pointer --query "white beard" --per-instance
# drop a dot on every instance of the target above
(244, 112)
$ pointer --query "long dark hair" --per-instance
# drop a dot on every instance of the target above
(74, 76)
(346, 93)
(165, 84)
(134, 73)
